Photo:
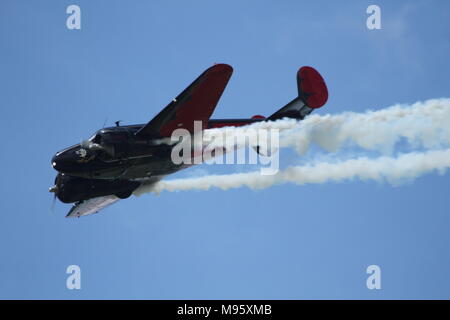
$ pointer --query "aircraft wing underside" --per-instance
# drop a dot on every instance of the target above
(94, 205)
(91, 206)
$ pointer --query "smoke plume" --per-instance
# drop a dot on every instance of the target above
(392, 170)
(423, 125)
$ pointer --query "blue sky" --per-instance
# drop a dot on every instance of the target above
(287, 242)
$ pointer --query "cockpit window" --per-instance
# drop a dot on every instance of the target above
(116, 137)
(96, 138)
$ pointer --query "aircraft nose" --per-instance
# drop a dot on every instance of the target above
(56, 162)
(62, 161)
(73, 159)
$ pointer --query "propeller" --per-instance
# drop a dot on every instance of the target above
(53, 190)
(53, 204)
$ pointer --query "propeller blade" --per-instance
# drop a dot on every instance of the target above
(52, 208)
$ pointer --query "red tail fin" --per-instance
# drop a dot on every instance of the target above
(312, 94)
(311, 87)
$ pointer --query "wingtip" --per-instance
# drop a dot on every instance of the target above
(221, 67)
(71, 215)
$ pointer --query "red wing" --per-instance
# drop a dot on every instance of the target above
(196, 103)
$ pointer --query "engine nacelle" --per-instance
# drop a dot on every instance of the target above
(70, 189)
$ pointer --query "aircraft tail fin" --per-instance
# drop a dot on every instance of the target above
(312, 94)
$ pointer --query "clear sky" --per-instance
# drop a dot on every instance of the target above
(130, 58)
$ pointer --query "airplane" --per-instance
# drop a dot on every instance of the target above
(117, 160)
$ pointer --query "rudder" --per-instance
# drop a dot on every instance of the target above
(312, 94)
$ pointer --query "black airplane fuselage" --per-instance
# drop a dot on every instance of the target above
(116, 161)
(120, 151)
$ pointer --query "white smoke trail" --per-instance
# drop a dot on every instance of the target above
(393, 170)
(421, 125)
